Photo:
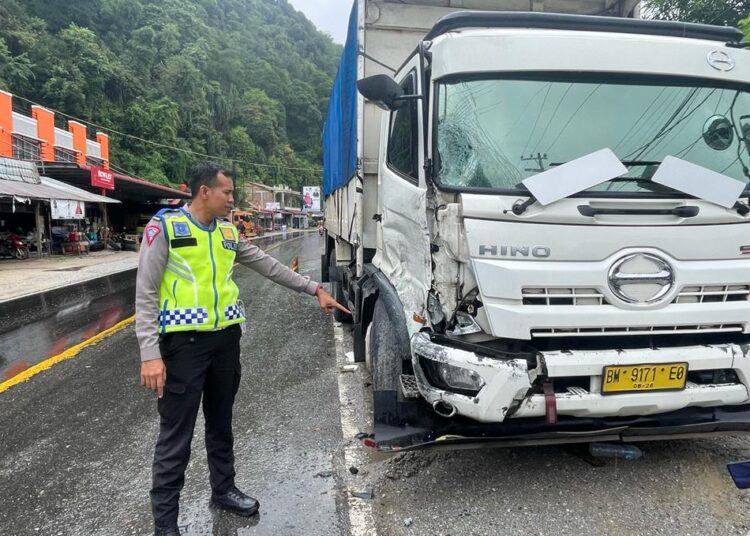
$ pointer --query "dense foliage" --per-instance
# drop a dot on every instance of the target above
(721, 12)
(246, 79)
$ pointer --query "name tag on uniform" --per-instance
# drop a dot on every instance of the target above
(180, 228)
(183, 242)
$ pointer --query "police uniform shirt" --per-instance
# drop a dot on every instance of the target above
(152, 264)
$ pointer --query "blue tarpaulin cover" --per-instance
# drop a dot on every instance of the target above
(340, 130)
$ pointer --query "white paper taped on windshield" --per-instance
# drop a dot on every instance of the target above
(575, 176)
(698, 181)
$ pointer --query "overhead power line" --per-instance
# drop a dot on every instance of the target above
(170, 147)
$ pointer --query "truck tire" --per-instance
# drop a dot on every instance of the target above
(337, 291)
(384, 351)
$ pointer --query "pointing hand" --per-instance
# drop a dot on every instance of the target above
(328, 303)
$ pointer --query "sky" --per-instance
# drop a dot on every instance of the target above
(330, 16)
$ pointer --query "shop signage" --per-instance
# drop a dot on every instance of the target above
(102, 178)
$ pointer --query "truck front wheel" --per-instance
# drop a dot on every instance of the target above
(384, 350)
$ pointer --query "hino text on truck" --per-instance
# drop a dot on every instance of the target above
(540, 221)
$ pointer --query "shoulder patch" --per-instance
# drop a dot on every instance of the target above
(227, 232)
(181, 229)
(151, 232)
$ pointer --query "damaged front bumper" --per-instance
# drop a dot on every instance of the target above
(508, 407)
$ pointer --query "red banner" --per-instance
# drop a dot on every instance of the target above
(102, 178)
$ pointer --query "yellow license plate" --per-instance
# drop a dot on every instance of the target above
(634, 378)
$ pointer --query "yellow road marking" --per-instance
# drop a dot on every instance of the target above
(67, 354)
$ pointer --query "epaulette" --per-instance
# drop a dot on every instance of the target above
(165, 212)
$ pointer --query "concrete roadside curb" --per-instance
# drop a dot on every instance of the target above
(34, 307)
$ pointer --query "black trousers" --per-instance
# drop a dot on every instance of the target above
(199, 364)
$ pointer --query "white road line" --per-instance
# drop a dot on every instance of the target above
(361, 519)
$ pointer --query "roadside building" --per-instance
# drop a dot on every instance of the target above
(276, 206)
(33, 206)
(70, 155)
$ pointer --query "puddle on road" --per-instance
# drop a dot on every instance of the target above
(222, 524)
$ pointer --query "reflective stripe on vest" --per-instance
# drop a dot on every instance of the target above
(197, 292)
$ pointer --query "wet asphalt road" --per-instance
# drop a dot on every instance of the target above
(76, 444)
(76, 441)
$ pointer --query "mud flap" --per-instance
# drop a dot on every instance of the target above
(400, 423)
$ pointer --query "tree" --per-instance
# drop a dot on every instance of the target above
(15, 70)
(720, 12)
(264, 118)
(745, 27)
(241, 79)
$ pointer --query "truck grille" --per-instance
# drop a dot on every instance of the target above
(591, 296)
(713, 293)
(642, 330)
(562, 296)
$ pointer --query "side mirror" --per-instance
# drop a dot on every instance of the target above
(381, 89)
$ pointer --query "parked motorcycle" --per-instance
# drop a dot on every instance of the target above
(119, 242)
(113, 244)
(12, 245)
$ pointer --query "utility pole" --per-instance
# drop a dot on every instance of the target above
(539, 159)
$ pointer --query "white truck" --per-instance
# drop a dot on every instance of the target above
(539, 220)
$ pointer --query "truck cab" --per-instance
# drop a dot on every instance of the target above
(560, 246)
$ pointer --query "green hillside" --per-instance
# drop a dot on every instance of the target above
(246, 79)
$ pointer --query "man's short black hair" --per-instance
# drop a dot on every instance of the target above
(203, 173)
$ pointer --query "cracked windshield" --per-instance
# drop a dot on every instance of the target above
(494, 133)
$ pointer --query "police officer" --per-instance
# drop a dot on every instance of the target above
(188, 316)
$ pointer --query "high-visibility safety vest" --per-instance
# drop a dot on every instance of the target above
(197, 292)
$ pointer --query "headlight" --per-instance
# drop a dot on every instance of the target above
(465, 324)
(452, 378)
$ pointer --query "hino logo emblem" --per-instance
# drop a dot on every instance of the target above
(641, 279)
(720, 60)
(540, 252)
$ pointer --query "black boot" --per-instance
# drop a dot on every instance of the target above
(166, 531)
(237, 502)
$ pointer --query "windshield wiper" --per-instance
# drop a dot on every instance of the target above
(519, 207)
(680, 212)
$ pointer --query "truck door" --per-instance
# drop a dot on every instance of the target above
(403, 245)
